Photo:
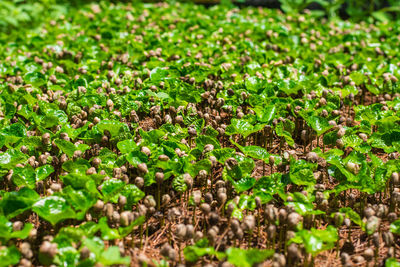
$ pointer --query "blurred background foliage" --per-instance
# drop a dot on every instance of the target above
(27, 13)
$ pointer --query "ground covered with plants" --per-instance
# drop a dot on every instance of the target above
(180, 135)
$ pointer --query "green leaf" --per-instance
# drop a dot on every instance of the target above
(7, 233)
(301, 172)
(112, 256)
(111, 189)
(81, 201)
(69, 148)
(244, 184)
(223, 154)
(35, 78)
(357, 77)
(24, 176)
(158, 74)
(198, 250)
(79, 166)
(267, 186)
(114, 127)
(107, 233)
(178, 184)
(249, 257)
(395, 227)
(242, 127)
(10, 158)
(255, 152)
(16, 202)
(9, 256)
(133, 194)
(203, 140)
(43, 172)
(266, 114)
(392, 262)
(13, 133)
(280, 131)
(53, 209)
(319, 124)
(94, 244)
(316, 240)
(126, 146)
(353, 216)
(52, 118)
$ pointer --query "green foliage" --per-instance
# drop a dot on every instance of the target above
(315, 240)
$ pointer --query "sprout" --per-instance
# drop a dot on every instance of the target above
(279, 259)
(208, 148)
(271, 213)
(163, 157)
(179, 119)
(239, 234)
(341, 132)
(294, 219)
(271, 160)
(205, 208)
(48, 249)
(125, 218)
(372, 224)
(26, 251)
(392, 217)
(142, 168)
(388, 238)
(180, 231)
(312, 157)
(221, 197)
(282, 216)
(77, 154)
(197, 236)
(208, 197)
(196, 195)
(168, 252)
(376, 239)
(382, 211)
(271, 231)
(91, 171)
(139, 182)
(142, 209)
(212, 235)
(344, 258)
(17, 226)
(173, 213)
(293, 252)
(395, 178)
(159, 176)
(145, 150)
(202, 175)
(213, 218)
(122, 201)
(109, 210)
(368, 254)
(165, 199)
(149, 201)
(189, 232)
(249, 222)
(116, 217)
(96, 162)
(352, 167)
(56, 187)
(358, 259)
